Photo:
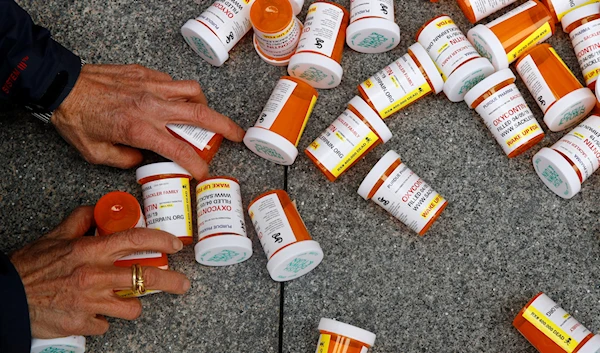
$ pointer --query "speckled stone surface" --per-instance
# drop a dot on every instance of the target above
(503, 238)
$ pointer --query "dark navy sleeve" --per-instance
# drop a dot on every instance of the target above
(15, 329)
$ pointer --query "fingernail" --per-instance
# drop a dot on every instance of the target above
(186, 285)
(177, 244)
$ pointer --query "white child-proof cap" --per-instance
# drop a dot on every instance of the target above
(487, 84)
(557, 173)
(429, 66)
(75, 344)
(489, 46)
(369, 114)
(295, 260)
(270, 146)
(573, 107)
(317, 70)
(161, 168)
(373, 35)
(297, 6)
(205, 42)
(273, 62)
(466, 77)
(579, 13)
(376, 172)
(346, 330)
(223, 250)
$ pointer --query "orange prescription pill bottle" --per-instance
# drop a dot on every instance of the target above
(477, 10)
(218, 29)
(222, 236)
(505, 112)
(459, 63)
(71, 344)
(279, 127)
(318, 57)
(556, 90)
(402, 83)
(559, 8)
(393, 186)
(287, 244)
(350, 137)
(276, 30)
(372, 26)
(166, 193)
(504, 40)
(205, 143)
(583, 26)
(340, 337)
(550, 329)
(572, 160)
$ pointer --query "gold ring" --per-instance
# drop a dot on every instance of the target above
(138, 286)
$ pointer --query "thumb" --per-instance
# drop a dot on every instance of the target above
(75, 225)
(123, 157)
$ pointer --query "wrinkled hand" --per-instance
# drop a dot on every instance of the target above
(113, 108)
(69, 279)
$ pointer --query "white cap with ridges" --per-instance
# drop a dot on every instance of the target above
(369, 114)
(346, 330)
(75, 344)
(579, 13)
(161, 168)
(376, 172)
(487, 84)
(429, 66)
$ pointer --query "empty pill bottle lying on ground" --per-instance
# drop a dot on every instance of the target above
(550, 329)
(457, 60)
(218, 29)
(337, 336)
(166, 193)
(559, 94)
(205, 143)
(505, 112)
(283, 235)
(276, 30)
(477, 10)
(349, 138)
(318, 57)
(393, 186)
(572, 160)
(71, 344)
(402, 83)
(372, 26)
(505, 39)
(222, 238)
(280, 125)
(559, 8)
(583, 27)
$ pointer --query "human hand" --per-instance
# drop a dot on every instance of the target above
(115, 109)
(69, 279)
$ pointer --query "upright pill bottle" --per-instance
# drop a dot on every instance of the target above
(166, 193)
(350, 137)
(504, 40)
(460, 64)
(71, 344)
(276, 30)
(505, 112)
(572, 160)
(556, 90)
(559, 8)
(287, 244)
(550, 329)
(372, 26)
(393, 186)
(222, 236)
(318, 57)
(218, 29)
(402, 83)
(583, 27)
(477, 10)
(279, 127)
(340, 337)
(205, 143)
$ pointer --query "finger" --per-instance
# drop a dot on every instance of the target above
(181, 153)
(75, 225)
(156, 279)
(187, 91)
(113, 306)
(134, 71)
(115, 246)
(96, 326)
(118, 156)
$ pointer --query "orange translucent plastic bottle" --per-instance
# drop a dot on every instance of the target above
(559, 8)
(283, 235)
(281, 123)
(205, 143)
(340, 337)
(477, 10)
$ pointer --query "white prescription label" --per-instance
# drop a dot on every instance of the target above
(167, 206)
(582, 146)
(282, 92)
(408, 198)
(562, 7)
(586, 42)
(526, 6)
(281, 44)
(509, 118)
(554, 322)
(219, 208)
(536, 83)
(396, 86)
(271, 224)
(321, 28)
(447, 45)
(195, 135)
(342, 143)
(360, 9)
(484, 8)
(228, 19)
(141, 254)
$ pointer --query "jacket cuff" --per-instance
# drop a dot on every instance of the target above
(15, 327)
